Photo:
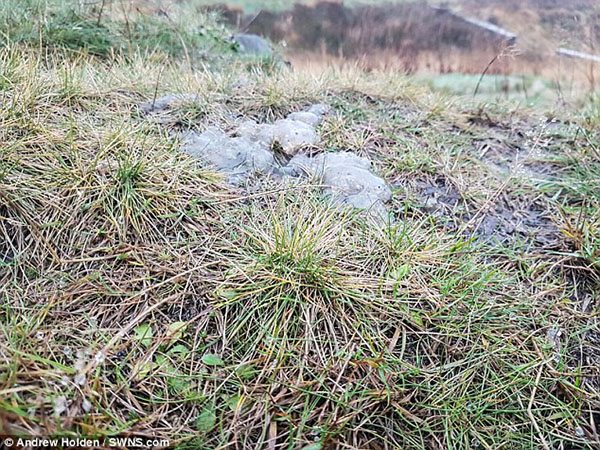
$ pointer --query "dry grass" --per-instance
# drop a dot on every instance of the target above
(139, 295)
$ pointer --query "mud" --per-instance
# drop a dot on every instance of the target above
(433, 195)
(513, 220)
(509, 158)
(438, 196)
(508, 220)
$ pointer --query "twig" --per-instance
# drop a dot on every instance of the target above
(156, 88)
(484, 73)
(100, 12)
(245, 28)
(502, 53)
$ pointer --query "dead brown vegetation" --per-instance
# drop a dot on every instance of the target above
(416, 38)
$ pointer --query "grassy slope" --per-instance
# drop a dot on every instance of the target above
(542, 25)
(140, 294)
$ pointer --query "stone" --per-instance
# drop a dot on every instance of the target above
(166, 102)
(319, 109)
(261, 134)
(252, 44)
(290, 135)
(293, 135)
(307, 117)
(347, 178)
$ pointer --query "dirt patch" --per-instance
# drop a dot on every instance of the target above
(433, 195)
(438, 195)
(509, 158)
(497, 152)
(518, 219)
(525, 150)
(508, 220)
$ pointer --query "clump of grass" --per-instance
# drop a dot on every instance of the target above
(290, 267)
(582, 228)
(350, 335)
(98, 212)
(122, 185)
(298, 315)
(75, 32)
(578, 192)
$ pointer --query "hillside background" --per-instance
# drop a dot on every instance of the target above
(432, 38)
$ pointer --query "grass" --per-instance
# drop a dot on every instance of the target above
(528, 89)
(102, 28)
(140, 295)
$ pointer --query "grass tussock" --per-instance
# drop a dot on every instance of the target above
(140, 295)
